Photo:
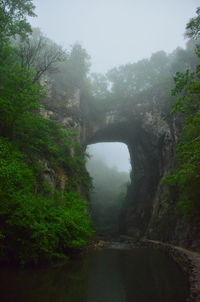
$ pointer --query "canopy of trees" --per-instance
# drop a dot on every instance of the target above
(39, 222)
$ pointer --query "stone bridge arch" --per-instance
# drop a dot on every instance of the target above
(150, 140)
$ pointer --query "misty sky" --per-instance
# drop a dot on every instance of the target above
(115, 32)
(114, 154)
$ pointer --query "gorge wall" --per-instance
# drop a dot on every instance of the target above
(150, 139)
(151, 134)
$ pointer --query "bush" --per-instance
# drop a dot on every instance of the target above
(35, 227)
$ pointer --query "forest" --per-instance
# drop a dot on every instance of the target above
(45, 212)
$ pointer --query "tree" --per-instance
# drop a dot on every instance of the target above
(70, 80)
(18, 94)
(13, 15)
(38, 53)
(99, 86)
(78, 65)
(193, 26)
(187, 174)
(38, 221)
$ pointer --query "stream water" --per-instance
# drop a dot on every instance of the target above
(115, 274)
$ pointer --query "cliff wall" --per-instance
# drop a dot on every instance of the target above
(151, 133)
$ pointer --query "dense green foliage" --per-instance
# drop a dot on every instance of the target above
(36, 226)
(193, 26)
(187, 174)
(13, 15)
(40, 218)
(18, 93)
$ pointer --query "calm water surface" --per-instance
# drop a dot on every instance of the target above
(108, 275)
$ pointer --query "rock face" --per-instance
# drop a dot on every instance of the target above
(68, 113)
(150, 139)
(151, 136)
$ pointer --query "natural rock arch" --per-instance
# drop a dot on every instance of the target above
(150, 140)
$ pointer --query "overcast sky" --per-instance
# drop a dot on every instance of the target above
(115, 32)
(114, 154)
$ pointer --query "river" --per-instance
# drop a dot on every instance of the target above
(115, 274)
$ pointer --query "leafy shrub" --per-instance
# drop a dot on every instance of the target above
(36, 222)
(187, 174)
(34, 227)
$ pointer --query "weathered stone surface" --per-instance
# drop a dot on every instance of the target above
(68, 113)
(150, 140)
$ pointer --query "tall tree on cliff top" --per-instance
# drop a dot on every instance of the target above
(38, 53)
(36, 222)
(13, 15)
(193, 26)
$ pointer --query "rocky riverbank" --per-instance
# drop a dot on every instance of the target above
(189, 262)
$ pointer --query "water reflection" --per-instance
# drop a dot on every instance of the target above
(109, 275)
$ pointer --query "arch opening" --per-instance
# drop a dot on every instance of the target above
(109, 166)
(144, 146)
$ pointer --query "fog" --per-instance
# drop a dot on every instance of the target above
(108, 170)
(115, 32)
(114, 154)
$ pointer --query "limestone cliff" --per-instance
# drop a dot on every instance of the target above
(66, 111)
(151, 134)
